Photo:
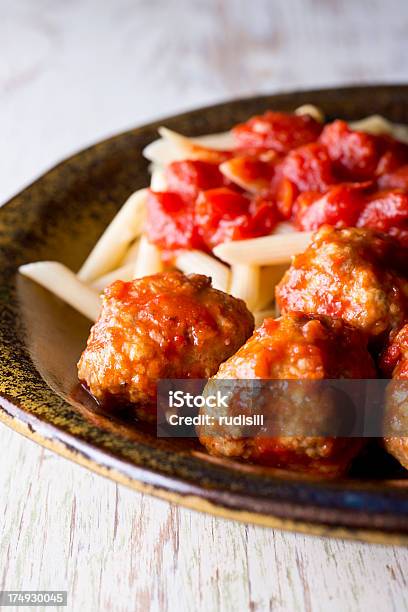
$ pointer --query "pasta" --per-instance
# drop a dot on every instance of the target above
(249, 269)
(124, 273)
(245, 283)
(376, 124)
(148, 259)
(253, 185)
(58, 279)
(131, 253)
(267, 250)
(198, 262)
(313, 111)
(112, 245)
(175, 147)
(158, 179)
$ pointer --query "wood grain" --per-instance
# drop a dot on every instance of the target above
(114, 549)
(70, 74)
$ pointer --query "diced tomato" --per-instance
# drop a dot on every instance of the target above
(264, 214)
(190, 177)
(221, 215)
(170, 221)
(354, 154)
(285, 193)
(250, 172)
(307, 168)
(398, 179)
(394, 154)
(278, 131)
(387, 211)
(340, 206)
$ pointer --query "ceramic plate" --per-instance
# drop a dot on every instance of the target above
(59, 217)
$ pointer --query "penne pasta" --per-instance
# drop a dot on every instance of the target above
(124, 273)
(197, 262)
(112, 245)
(63, 283)
(164, 151)
(245, 284)
(234, 170)
(284, 227)
(131, 253)
(313, 111)
(148, 259)
(223, 141)
(189, 148)
(158, 179)
(377, 125)
(267, 250)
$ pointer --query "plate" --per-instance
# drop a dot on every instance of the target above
(59, 217)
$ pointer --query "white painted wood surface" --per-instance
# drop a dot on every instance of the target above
(70, 74)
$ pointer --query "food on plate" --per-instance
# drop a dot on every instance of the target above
(164, 326)
(293, 347)
(394, 362)
(350, 274)
(241, 208)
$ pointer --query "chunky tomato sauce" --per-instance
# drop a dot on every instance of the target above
(283, 167)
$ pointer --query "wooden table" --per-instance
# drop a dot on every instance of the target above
(70, 74)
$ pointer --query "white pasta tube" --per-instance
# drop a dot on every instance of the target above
(222, 141)
(131, 253)
(111, 246)
(148, 259)
(197, 262)
(172, 146)
(377, 125)
(63, 283)
(264, 251)
(231, 170)
(158, 179)
(284, 227)
(245, 284)
(179, 141)
(124, 273)
(313, 111)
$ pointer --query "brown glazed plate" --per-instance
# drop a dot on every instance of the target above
(59, 217)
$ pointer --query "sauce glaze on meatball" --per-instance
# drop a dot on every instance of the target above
(349, 274)
(295, 346)
(163, 326)
(394, 362)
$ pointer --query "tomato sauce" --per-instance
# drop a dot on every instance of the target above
(283, 167)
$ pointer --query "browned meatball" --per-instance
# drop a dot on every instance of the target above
(349, 273)
(164, 326)
(294, 346)
(395, 362)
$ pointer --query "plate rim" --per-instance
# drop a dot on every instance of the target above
(164, 486)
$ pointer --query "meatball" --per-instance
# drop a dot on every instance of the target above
(350, 274)
(395, 362)
(164, 326)
(301, 347)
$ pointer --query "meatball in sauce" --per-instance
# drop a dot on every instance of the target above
(352, 274)
(168, 325)
(295, 346)
(394, 363)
